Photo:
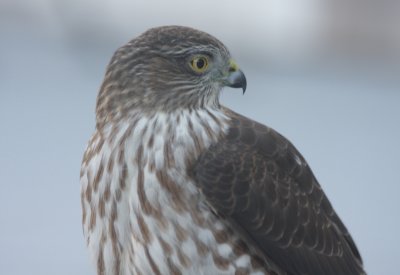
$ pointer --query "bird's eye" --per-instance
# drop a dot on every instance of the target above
(199, 64)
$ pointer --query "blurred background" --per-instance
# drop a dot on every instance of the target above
(323, 73)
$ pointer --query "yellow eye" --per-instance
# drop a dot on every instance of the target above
(199, 64)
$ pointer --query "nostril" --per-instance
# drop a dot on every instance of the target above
(233, 67)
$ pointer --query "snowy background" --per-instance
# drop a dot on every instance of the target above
(327, 76)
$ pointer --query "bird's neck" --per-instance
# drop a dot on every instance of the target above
(114, 105)
(190, 130)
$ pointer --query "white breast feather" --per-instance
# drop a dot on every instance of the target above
(128, 231)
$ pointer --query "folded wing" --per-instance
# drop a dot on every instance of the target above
(257, 180)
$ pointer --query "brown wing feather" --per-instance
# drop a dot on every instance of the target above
(258, 181)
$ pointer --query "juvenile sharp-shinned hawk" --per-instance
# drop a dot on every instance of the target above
(175, 183)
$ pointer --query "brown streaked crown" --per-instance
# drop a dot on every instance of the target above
(152, 73)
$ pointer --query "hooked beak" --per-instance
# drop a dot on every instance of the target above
(236, 78)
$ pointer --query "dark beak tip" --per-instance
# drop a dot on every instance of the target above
(238, 80)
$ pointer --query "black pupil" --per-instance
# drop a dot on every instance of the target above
(200, 63)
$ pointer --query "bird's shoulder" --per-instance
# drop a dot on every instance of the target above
(258, 181)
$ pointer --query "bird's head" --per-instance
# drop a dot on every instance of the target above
(165, 69)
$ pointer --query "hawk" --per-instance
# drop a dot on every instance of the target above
(175, 183)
